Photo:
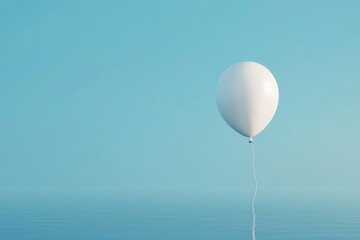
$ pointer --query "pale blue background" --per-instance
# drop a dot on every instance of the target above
(120, 95)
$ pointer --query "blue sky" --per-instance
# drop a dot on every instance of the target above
(122, 93)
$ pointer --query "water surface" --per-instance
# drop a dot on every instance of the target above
(118, 216)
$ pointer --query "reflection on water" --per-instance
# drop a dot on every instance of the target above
(117, 217)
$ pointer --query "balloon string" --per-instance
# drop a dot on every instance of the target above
(255, 192)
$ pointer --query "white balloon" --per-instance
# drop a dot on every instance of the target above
(247, 97)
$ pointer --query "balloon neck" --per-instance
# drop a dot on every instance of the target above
(251, 140)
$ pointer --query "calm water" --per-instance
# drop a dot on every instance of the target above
(144, 217)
